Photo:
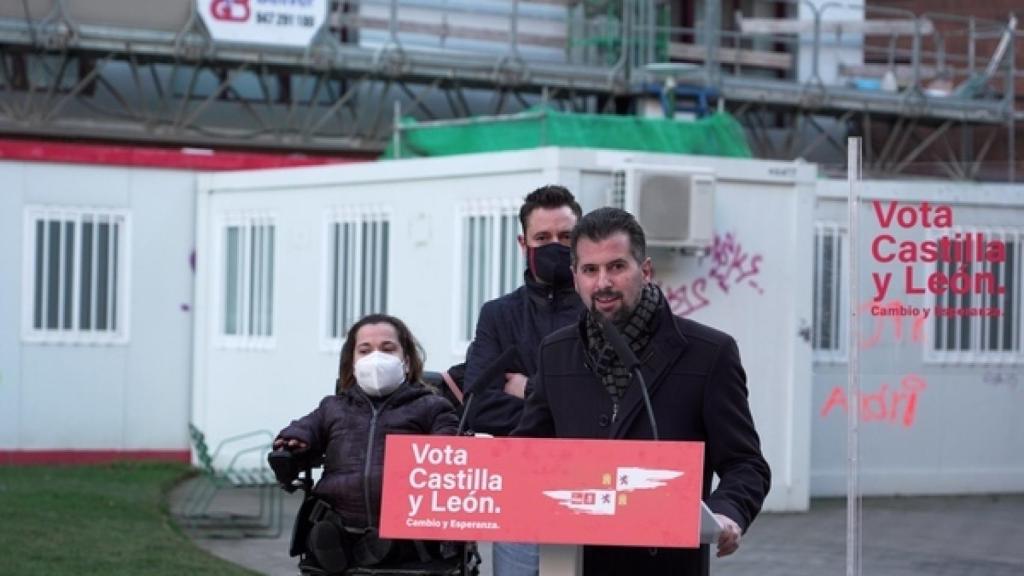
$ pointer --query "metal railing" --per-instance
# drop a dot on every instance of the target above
(817, 56)
(614, 41)
(885, 50)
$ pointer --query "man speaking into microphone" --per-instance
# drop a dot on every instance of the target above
(696, 384)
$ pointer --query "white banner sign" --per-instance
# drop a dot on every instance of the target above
(272, 22)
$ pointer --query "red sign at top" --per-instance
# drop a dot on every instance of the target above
(234, 10)
(607, 492)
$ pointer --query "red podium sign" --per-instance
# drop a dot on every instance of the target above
(611, 492)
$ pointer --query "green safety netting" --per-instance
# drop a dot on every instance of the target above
(716, 135)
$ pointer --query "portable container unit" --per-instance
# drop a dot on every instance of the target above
(96, 288)
(290, 258)
(939, 395)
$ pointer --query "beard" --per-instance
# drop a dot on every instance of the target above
(620, 315)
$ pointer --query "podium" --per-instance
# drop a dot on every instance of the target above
(561, 560)
(558, 493)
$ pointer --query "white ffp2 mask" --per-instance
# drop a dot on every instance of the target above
(379, 374)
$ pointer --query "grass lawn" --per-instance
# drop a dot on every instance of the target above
(103, 520)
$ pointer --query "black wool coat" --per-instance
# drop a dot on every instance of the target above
(348, 429)
(698, 392)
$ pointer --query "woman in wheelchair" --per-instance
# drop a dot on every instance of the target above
(379, 392)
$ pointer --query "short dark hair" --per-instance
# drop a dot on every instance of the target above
(410, 347)
(602, 223)
(550, 196)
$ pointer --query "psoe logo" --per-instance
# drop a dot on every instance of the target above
(602, 501)
(231, 10)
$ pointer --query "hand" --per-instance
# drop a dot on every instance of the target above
(290, 444)
(729, 539)
(515, 384)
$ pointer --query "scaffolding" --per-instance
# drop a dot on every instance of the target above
(925, 91)
(96, 74)
(919, 88)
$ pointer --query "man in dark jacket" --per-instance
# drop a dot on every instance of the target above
(511, 327)
(696, 383)
(520, 319)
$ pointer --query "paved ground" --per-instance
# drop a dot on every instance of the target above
(266, 555)
(940, 536)
(961, 536)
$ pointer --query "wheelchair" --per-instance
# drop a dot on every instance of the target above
(326, 547)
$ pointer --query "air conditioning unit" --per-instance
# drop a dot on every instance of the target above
(675, 206)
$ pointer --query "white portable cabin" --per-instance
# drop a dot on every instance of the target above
(96, 286)
(940, 398)
(291, 257)
(95, 297)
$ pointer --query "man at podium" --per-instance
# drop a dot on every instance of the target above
(696, 383)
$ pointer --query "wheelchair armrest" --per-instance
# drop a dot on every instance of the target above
(285, 467)
(288, 465)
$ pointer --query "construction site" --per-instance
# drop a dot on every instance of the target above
(201, 196)
(921, 87)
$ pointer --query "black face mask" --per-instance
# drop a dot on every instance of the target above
(550, 264)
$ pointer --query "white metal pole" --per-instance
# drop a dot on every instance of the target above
(853, 499)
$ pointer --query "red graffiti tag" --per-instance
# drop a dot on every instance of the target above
(679, 298)
(897, 406)
(730, 266)
(891, 309)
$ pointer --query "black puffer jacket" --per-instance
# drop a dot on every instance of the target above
(349, 430)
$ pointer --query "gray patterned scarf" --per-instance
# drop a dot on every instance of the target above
(637, 331)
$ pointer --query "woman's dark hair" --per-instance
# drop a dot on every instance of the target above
(410, 347)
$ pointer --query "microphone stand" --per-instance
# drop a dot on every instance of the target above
(632, 364)
(647, 401)
(465, 412)
(626, 356)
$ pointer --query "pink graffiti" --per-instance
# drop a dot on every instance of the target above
(898, 406)
(685, 300)
(897, 321)
(730, 266)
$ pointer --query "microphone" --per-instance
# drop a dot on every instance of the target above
(506, 360)
(630, 361)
